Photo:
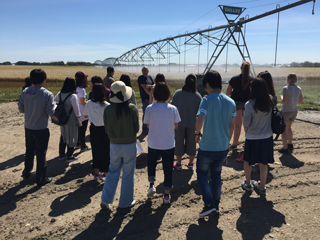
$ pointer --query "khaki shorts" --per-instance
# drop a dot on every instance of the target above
(185, 142)
(289, 116)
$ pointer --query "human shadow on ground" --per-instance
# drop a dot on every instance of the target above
(75, 200)
(206, 229)
(232, 163)
(13, 162)
(77, 171)
(257, 217)
(290, 161)
(101, 228)
(145, 222)
(9, 199)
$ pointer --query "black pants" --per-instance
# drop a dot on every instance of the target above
(36, 143)
(82, 134)
(100, 145)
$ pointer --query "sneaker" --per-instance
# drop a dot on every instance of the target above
(177, 166)
(86, 148)
(102, 176)
(45, 181)
(240, 159)
(71, 159)
(256, 185)
(151, 191)
(247, 187)
(208, 210)
(105, 205)
(95, 176)
(166, 199)
(131, 205)
(290, 147)
(190, 166)
(233, 147)
(283, 151)
(62, 157)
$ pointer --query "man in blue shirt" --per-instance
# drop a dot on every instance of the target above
(216, 114)
(145, 82)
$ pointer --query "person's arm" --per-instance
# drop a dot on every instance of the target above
(176, 125)
(146, 119)
(151, 96)
(284, 98)
(231, 128)
(146, 88)
(199, 123)
(50, 105)
(229, 90)
(135, 118)
(75, 108)
(83, 101)
(134, 100)
(21, 103)
(170, 96)
(300, 99)
(247, 116)
(57, 97)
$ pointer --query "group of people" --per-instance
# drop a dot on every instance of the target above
(173, 129)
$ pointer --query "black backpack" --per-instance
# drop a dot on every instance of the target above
(277, 122)
(60, 112)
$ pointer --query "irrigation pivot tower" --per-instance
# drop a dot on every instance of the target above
(220, 36)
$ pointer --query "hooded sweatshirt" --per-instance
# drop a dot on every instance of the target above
(37, 105)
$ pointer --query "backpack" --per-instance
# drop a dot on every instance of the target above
(278, 124)
(60, 112)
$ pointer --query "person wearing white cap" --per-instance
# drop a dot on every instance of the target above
(121, 122)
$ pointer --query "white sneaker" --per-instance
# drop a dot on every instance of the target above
(131, 205)
(151, 191)
(166, 200)
(105, 205)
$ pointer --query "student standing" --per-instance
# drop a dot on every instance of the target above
(292, 95)
(216, 114)
(239, 89)
(259, 141)
(126, 79)
(121, 123)
(37, 105)
(187, 100)
(99, 139)
(69, 131)
(82, 84)
(159, 78)
(161, 118)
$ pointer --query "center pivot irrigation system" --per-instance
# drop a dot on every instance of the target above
(220, 37)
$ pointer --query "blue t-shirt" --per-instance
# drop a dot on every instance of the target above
(218, 110)
(144, 80)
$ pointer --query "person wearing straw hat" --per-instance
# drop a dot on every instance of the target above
(121, 122)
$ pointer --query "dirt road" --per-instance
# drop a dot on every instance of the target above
(68, 207)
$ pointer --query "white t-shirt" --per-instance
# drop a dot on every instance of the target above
(293, 93)
(161, 118)
(95, 112)
(81, 93)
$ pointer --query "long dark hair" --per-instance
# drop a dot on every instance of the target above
(69, 86)
(81, 80)
(190, 84)
(245, 70)
(126, 79)
(268, 78)
(259, 92)
(122, 107)
(99, 93)
(160, 78)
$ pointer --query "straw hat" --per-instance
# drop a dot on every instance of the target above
(120, 92)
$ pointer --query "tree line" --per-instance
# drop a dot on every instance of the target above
(58, 63)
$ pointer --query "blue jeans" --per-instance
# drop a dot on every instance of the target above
(167, 165)
(62, 148)
(145, 104)
(213, 161)
(122, 156)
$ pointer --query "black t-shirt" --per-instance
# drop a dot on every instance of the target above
(144, 80)
(238, 94)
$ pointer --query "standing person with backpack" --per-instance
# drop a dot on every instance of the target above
(82, 84)
(99, 139)
(69, 131)
(292, 95)
(121, 123)
(239, 89)
(37, 105)
(259, 135)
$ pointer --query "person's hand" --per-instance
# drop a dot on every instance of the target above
(281, 97)
(54, 118)
(197, 138)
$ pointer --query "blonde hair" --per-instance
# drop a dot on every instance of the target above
(292, 78)
(245, 69)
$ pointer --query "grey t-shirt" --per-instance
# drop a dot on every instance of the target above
(293, 93)
(188, 104)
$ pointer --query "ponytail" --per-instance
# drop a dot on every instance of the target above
(245, 69)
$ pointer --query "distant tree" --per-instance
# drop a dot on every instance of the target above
(307, 64)
(316, 64)
(6, 63)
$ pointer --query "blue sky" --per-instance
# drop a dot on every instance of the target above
(89, 30)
